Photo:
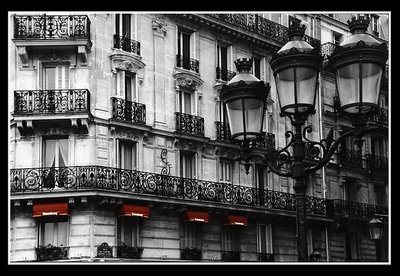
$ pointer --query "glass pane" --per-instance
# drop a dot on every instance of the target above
(347, 80)
(306, 85)
(48, 233)
(62, 233)
(127, 237)
(63, 152)
(49, 152)
(263, 240)
(50, 78)
(254, 116)
(235, 116)
(187, 103)
(128, 87)
(285, 87)
(371, 75)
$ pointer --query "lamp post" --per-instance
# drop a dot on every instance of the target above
(358, 64)
(376, 230)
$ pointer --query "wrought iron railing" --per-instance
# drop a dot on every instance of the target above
(327, 49)
(51, 101)
(51, 26)
(262, 26)
(354, 210)
(224, 74)
(189, 124)
(139, 182)
(375, 163)
(127, 44)
(351, 158)
(128, 111)
(380, 117)
(187, 63)
(265, 257)
(223, 131)
(266, 141)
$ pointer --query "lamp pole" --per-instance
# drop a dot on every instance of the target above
(358, 64)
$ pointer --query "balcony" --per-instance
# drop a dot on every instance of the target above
(223, 131)
(376, 164)
(380, 117)
(187, 63)
(224, 74)
(266, 142)
(36, 31)
(43, 105)
(99, 178)
(350, 158)
(51, 101)
(189, 124)
(126, 44)
(128, 111)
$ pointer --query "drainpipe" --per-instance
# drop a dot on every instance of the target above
(320, 118)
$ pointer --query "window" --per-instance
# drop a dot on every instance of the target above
(55, 76)
(264, 239)
(55, 152)
(256, 67)
(190, 234)
(310, 242)
(123, 25)
(224, 64)
(127, 155)
(53, 230)
(374, 24)
(380, 195)
(130, 86)
(128, 231)
(187, 164)
(184, 49)
(185, 102)
(230, 239)
(336, 38)
(225, 170)
(351, 246)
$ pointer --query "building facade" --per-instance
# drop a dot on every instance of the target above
(120, 150)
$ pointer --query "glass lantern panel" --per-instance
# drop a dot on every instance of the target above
(254, 116)
(375, 233)
(306, 79)
(235, 116)
(371, 80)
(348, 80)
(285, 87)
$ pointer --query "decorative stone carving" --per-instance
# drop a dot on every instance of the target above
(186, 80)
(159, 25)
(121, 60)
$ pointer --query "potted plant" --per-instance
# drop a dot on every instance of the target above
(50, 252)
(191, 253)
(131, 252)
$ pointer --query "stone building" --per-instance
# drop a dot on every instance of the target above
(120, 150)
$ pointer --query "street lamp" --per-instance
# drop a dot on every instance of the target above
(358, 64)
(376, 233)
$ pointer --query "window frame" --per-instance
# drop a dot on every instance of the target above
(135, 228)
(265, 229)
(190, 235)
(54, 220)
(122, 143)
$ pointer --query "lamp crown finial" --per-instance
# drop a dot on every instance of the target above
(243, 64)
(296, 30)
(358, 24)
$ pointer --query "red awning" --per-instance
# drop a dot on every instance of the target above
(50, 209)
(196, 216)
(134, 211)
(235, 220)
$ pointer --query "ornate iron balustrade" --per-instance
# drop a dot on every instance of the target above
(190, 124)
(128, 111)
(265, 257)
(355, 210)
(230, 256)
(350, 157)
(187, 63)
(262, 26)
(376, 163)
(51, 26)
(51, 101)
(265, 141)
(224, 74)
(126, 44)
(380, 117)
(223, 131)
(138, 182)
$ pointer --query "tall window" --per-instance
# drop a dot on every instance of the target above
(380, 195)
(184, 49)
(187, 164)
(264, 239)
(127, 155)
(310, 241)
(190, 234)
(53, 230)
(225, 170)
(223, 62)
(130, 86)
(230, 238)
(55, 152)
(257, 67)
(351, 246)
(128, 231)
(185, 102)
(123, 25)
(336, 38)
(55, 76)
(374, 24)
